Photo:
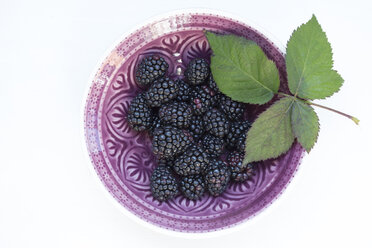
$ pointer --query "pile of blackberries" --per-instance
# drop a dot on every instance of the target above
(191, 124)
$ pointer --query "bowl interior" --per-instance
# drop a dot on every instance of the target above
(122, 157)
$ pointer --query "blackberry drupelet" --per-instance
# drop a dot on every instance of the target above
(213, 145)
(212, 84)
(161, 91)
(239, 172)
(217, 177)
(169, 141)
(192, 187)
(202, 99)
(184, 91)
(216, 123)
(235, 139)
(197, 71)
(151, 68)
(177, 114)
(233, 110)
(192, 162)
(163, 184)
(240, 144)
(196, 127)
(139, 114)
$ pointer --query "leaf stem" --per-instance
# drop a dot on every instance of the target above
(356, 120)
(284, 94)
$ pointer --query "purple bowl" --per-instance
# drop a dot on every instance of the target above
(122, 157)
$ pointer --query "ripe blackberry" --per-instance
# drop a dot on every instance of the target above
(217, 177)
(202, 99)
(161, 91)
(233, 110)
(235, 139)
(151, 68)
(193, 161)
(163, 184)
(192, 187)
(216, 123)
(213, 145)
(197, 71)
(184, 91)
(196, 127)
(177, 114)
(169, 141)
(239, 172)
(212, 84)
(139, 114)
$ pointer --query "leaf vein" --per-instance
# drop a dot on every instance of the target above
(305, 63)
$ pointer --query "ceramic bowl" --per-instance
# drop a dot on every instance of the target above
(122, 157)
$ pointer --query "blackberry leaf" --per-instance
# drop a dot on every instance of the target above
(271, 134)
(305, 124)
(241, 69)
(309, 63)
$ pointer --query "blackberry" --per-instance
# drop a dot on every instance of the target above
(202, 99)
(161, 91)
(177, 114)
(212, 84)
(151, 68)
(193, 161)
(184, 91)
(235, 139)
(192, 187)
(239, 172)
(216, 123)
(163, 184)
(217, 177)
(169, 141)
(139, 114)
(213, 145)
(197, 71)
(196, 127)
(233, 110)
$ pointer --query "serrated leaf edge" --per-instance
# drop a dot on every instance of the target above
(339, 88)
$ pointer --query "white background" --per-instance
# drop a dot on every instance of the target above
(49, 197)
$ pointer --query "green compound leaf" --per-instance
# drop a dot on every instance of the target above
(309, 63)
(271, 134)
(305, 124)
(241, 69)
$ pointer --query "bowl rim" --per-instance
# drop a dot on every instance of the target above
(154, 226)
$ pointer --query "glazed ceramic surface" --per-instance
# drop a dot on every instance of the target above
(122, 157)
